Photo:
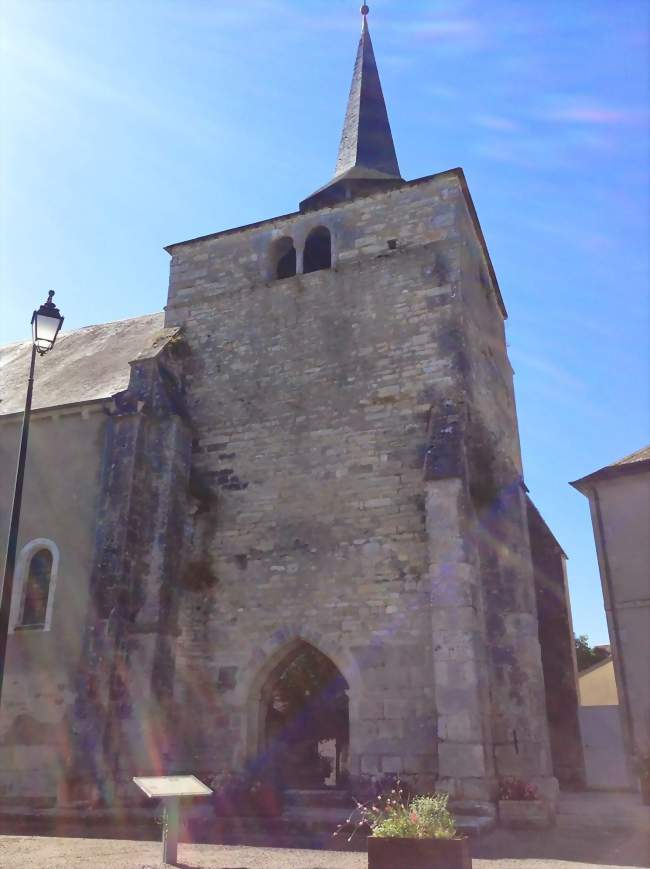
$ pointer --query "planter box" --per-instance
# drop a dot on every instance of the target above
(418, 853)
(525, 814)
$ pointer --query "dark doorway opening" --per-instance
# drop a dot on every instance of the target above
(318, 250)
(306, 720)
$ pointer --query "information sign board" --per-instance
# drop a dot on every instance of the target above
(171, 789)
(172, 786)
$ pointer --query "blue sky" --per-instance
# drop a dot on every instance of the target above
(130, 124)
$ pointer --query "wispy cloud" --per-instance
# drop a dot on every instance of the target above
(496, 122)
(560, 377)
(558, 387)
(524, 152)
(584, 239)
(441, 91)
(449, 27)
(456, 32)
(590, 113)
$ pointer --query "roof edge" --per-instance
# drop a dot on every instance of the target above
(52, 408)
(596, 666)
(610, 472)
(534, 506)
(481, 238)
(66, 333)
(222, 232)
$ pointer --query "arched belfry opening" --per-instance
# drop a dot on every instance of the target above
(284, 258)
(318, 250)
(305, 720)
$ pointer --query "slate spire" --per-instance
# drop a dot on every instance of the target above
(367, 161)
(367, 141)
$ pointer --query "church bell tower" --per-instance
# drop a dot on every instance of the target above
(355, 425)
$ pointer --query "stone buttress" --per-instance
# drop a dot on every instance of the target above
(121, 722)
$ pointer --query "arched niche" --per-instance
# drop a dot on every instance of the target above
(35, 583)
(283, 258)
(318, 250)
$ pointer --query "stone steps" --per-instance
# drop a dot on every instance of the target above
(300, 825)
(324, 810)
(597, 810)
(475, 825)
(325, 797)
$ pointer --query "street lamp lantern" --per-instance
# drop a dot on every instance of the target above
(46, 324)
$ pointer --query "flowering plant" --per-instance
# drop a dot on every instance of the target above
(396, 815)
(516, 789)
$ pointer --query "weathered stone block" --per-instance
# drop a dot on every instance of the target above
(461, 760)
(391, 764)
(370, 764)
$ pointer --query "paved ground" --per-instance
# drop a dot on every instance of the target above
(559, 849)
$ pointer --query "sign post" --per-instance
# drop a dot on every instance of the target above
(170, 789)
(171, 821)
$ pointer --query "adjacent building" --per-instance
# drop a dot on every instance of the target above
(619, 500)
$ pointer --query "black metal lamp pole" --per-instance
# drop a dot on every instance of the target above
(46, 323)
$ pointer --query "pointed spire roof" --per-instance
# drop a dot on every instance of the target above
(367, 141)
(367, 161)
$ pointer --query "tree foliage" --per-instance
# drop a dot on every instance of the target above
(586, 655)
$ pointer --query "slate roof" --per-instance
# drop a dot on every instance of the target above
(367, 161)
(85, 365)
(636, 462)
(366, 140)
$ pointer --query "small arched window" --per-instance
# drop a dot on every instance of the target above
(37, 590)
(32, 598)
(318, 250)
(284, 258)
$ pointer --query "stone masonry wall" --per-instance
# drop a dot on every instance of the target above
(347, 435)
(517, 699)
(62, 481)
(311, 399)
(558, 653)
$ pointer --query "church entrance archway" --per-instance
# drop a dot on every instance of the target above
(305, 717)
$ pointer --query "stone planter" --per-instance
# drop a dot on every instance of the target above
(418, 853)
(525, 814)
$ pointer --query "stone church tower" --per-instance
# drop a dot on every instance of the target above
(355, 426)
(312, 477)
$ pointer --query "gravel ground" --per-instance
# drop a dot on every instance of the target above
(499, 850)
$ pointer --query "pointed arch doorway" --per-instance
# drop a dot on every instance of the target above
(305, 720)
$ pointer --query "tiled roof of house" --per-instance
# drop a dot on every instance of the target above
(86, 364)
(641, 455)
(636, 461)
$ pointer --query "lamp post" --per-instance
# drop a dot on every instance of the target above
(46, 324)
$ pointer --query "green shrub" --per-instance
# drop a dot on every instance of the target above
(423, 818)
(395, 815)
